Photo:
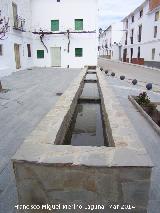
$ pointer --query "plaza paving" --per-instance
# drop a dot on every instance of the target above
(33, 93)
(150, 139)
(131, 71)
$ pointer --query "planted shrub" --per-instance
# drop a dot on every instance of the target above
(149, 107)
(143, 99)
(113, 74)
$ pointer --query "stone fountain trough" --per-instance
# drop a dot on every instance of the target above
(48, 172)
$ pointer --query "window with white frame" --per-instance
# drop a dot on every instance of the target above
(132, 18)
(157, 16)
(155, 31)
(141, 13)
(153, 53)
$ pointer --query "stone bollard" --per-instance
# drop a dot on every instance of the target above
(149, 86)
(134, 82)
(122, 77)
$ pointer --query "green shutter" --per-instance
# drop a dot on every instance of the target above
(78, 52)
(78, 24)
(40, 53)
(54, 25)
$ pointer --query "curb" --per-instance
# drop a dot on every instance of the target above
(148, 118)
(136, 65)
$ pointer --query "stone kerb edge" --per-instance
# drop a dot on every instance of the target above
(148, 118)
(127, 155)
(131, 64)
(121, 132)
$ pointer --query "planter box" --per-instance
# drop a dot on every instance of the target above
(144, 113)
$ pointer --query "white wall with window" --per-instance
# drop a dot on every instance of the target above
(79, 18)
(110, 41)
(146, 23)
(19, 49)
(15, 51)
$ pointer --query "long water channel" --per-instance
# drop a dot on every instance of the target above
(87, 126)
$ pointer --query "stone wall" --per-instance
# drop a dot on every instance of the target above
(82, 185)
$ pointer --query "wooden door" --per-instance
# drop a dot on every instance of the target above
(17, 55)
(56, 56)
(124, 55)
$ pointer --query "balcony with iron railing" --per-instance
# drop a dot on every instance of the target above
(19, 23)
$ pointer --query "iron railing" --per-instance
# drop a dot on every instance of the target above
(19, 23)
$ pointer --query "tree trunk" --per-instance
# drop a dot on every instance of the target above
(0, 86)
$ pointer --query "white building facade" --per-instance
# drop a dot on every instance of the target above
(110, 41)
(16, 45)
(141, 39)
(55, 33)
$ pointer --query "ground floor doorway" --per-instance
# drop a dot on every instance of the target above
(17, 55)
(56, 56)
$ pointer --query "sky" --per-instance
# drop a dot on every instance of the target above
(111, 11)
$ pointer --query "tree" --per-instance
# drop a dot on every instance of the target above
(4, 26)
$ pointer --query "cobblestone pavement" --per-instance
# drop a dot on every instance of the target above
(148, 136)
(32, 94)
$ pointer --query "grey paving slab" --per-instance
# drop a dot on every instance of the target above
(32, 94)
(148, 136)
(140, 73)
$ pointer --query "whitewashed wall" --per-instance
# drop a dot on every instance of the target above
(66, 12)
(148, 41)
(7, 60)
(38, 14)
(111, 36)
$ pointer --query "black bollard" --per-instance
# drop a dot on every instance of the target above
(149, 86)
(134, 82)
(122, 77)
